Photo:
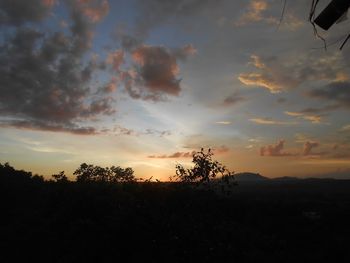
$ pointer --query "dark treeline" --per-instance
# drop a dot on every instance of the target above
(117, 219)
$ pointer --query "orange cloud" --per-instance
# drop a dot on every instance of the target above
(254, 13)
(308, 146)
(274, 150)
(316, 119)
(259, 79)
(277, 75)
(95, 10)
(267, 121)
(221, 150)
(174, 155)
(116, 59)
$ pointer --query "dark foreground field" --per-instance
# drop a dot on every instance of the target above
(274, 221)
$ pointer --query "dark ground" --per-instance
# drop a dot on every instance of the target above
(273, 221)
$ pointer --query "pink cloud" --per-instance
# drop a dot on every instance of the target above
(274, 150)
(308, 146)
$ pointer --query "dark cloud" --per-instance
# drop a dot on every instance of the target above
(120, 130)
(116, 59)
(308, 146)
(156, 71)
(281, 100)
(233, 99)
(274, 150)
(321, 110)
(47, 126)
(277, 150)
(128, 39)
(314, 115)
(84, 15)
(335, 92)
(308, 150)
(157, 133)
(155, 74)
(18, 12)
(45, 80)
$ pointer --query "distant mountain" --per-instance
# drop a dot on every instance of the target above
(250, 177)
(286, 178)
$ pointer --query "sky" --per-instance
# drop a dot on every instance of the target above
(144, 83)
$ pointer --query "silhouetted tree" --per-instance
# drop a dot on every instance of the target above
(60, 177)
(7, 170)
(204, 170)
(121, 175)
(115, 174)
(89, 173)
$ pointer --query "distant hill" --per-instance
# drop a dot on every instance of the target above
(250, 177)
(286, 178)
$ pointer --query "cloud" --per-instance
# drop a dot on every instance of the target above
(253, 13)
(308, 146)
(268, 121)
(221, 149)
(314, 115)
(274, 150)
(156, 72)
(157, 132)
(345, 128)
(120, 130)
(277, 75)
(184, 52)
(116, 59)
(174, 155)
(337, 92)
(153, 13)
(223, 122)
(51, 127)
(233, 99)
(261, 80)
(272, 75)
(18, 12)
(46, 75)
(307, 152)
(217, 150)
(281, 100)
(315, 119)
(256, 12)
(95, 10)
(109, 87)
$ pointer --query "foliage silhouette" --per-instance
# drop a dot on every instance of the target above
(204, 170)
(18, 175)
(60, 177)
(114, 174)
(48, 221)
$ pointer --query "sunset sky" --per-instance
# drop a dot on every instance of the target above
(143, 83)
